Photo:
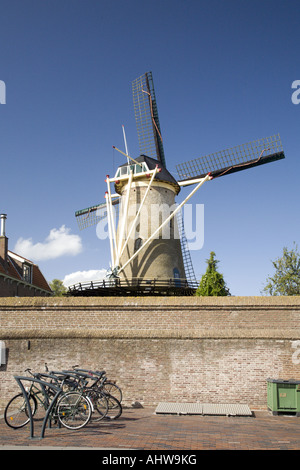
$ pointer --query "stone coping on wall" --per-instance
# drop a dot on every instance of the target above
(161, 317)
(139, 302)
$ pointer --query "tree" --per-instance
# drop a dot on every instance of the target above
(58, 288)
(212, 282)
(286, 280)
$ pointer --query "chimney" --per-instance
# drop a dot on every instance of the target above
(3, 241)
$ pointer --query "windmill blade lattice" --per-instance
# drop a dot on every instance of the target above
(146, 116)
(94, 214)
(187, 260)
(237, 158)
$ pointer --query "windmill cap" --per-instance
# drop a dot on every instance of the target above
(162, 175)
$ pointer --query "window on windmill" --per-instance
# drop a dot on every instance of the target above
(137, 244)
(27, 273)
(136, 168)
(123, 171)
(141, 168)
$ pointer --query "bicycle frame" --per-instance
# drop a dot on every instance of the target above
(43, 384)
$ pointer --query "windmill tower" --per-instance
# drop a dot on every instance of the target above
(149, 253)
(147, 201)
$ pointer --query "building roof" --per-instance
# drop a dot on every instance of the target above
(13, 270)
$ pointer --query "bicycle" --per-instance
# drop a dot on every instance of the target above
(103, 386)
(110, 387)
(72, 409)
(94, 393)
(79, 382)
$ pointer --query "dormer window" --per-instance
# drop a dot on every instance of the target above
(27, 273)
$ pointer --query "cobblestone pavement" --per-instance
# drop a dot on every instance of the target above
(142, 429)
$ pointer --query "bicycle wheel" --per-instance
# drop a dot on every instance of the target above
(114, 408)
(16, 413)
(112, 389)
(73, 410)
(100, 404)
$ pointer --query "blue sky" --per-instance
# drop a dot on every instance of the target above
(223, 74)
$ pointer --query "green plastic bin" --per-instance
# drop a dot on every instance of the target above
(284, 396)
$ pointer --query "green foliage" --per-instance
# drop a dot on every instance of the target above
(57, 287)
(212, 282)
(286, 280)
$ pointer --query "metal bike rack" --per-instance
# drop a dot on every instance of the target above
(43, 384)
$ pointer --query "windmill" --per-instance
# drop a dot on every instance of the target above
(149, 251)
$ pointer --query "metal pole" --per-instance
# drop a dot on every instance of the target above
(112, 217)
(124, 219)
(126, 149)
(189, 182)
(110, 231)
(139, 210)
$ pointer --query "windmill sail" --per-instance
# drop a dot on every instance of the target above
(228, 161)
(146, 116)
(94, 214)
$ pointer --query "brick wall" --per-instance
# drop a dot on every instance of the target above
(158, 349)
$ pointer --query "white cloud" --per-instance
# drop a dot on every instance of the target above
(60, 242)
(84, 276)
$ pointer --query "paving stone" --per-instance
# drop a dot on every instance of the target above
(142, 429)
